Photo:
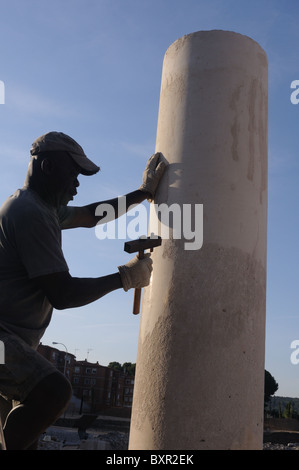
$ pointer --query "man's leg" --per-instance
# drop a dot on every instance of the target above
(5, 408)
(44, 404)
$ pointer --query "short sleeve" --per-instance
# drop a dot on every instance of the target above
(65, 216)
(38, 244)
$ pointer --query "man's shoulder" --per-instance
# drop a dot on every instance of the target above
(23, 204)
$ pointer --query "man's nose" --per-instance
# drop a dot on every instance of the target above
(77, 183)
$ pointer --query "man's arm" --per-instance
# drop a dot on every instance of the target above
(86, 216)
(64, 291)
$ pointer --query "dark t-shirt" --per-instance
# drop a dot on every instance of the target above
(30, 246)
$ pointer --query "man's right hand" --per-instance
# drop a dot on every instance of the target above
(136, 273)
(64, 291)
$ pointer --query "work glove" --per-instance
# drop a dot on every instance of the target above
(152, 175)
(136, 273)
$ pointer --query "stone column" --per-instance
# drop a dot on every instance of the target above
(200, 364)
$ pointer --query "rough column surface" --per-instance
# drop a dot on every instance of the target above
(200, 362)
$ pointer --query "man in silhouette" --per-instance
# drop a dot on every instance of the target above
(34, 279)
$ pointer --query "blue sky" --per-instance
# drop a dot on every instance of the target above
(92, 69)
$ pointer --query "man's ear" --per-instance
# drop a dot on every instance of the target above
(47, 166)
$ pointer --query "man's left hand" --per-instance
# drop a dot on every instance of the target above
(152, 175)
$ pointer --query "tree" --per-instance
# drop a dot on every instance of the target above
(127, 368)
(288, 410)
(115, 365)
(271, 386)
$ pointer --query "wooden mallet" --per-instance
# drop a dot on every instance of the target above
(143, 243)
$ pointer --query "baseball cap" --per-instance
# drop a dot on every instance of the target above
(53, 140)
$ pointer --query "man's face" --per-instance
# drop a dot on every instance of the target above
(65, 179)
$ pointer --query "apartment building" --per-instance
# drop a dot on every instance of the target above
(92, 384)
(62, 360)
(97, 387)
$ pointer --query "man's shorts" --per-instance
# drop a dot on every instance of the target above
(23, 368)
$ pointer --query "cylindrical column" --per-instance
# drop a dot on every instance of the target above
(200, 364)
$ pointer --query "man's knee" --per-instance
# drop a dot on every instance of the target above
(54, 392)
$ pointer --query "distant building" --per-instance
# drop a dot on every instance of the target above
(62, 360)
(92, 384)
(97, 387)
(128, 391)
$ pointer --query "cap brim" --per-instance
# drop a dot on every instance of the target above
(87, 167)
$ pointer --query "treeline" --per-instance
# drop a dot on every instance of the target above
(283, 407)
(278, 407)
(127, 368)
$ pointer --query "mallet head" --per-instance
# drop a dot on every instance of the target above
(143, 243)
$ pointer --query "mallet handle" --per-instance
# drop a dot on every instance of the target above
(137, 293)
